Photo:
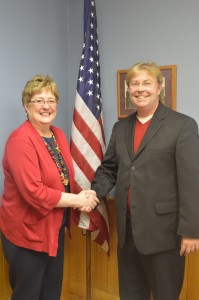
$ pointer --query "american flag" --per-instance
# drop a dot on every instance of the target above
(87, 136)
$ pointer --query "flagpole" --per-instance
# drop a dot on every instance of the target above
(88, 134)
(88, 265)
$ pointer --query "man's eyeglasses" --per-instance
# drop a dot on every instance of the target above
(41, 102)
(144, 84)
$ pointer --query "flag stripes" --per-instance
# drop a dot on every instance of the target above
(87, 135)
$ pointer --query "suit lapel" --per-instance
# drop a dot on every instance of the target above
(129, 133)
(156, 123)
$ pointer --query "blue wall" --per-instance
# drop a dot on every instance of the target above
(34, 39)
(45, 36)
(132, 31)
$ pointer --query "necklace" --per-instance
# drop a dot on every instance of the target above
(59, 161)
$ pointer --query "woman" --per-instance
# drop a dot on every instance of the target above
(38, 182)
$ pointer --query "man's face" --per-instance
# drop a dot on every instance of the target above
(144, 91)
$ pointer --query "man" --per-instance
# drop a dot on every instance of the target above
(153, 159)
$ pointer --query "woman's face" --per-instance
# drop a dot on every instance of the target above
(41, 115)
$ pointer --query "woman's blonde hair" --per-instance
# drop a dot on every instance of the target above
(36, 85)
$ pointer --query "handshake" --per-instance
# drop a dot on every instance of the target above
(87, 200)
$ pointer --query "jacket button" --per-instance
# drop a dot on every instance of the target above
(133, 168)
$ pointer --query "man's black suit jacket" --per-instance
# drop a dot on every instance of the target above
(163, 177)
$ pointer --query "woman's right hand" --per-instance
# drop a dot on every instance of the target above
(84, 201)
(88, 200)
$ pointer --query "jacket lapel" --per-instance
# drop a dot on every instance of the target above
(156, 123)
(129, 134)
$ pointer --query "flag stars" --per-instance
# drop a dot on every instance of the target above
(90, 70)
(98, 107)
(80, 79)
(90, 93)
(90, 81)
